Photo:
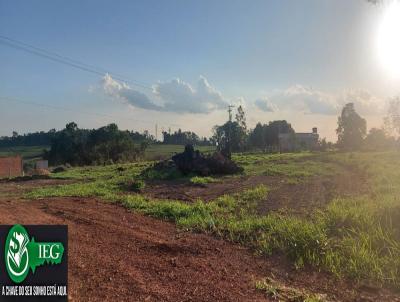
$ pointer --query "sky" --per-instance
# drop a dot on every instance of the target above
(294, 60)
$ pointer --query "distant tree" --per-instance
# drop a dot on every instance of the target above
(267, 135)
(30, 139)
(392, 119)
(183, 138)
(257, 137)
(241, 118)
(351, 129)
(377, 139)
(84, 147)
(274, 129)
(230, 137)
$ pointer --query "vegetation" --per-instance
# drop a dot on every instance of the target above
(84, 147)
(268, 134)
(27, 152)
(354, 236)
(280, 292)
(43, 138)
(351, 128)
(184, 138)
(199, 180)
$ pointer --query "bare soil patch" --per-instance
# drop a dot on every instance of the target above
(300, 197)
(117, 255)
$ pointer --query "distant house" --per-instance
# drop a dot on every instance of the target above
(289, 142)
(11, 166)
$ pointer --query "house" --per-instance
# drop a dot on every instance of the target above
(11, 166)
(289, 142)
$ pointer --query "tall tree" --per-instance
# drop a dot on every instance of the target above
(241, 118)
(351, 129)
(392, 120)
(378, 140)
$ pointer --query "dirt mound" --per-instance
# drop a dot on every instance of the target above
(190, 161)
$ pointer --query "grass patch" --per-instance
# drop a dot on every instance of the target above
(198, 180)
(358, 237)
(280, 292)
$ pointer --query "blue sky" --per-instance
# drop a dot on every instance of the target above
(299, 60)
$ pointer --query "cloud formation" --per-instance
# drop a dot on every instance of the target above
(264, 104)
(174, 96)
(126, 94)
(303, 99)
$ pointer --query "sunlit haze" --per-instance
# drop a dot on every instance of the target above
(183, 62)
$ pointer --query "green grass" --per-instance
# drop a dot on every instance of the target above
(280, 292)
(357, 237)
(293, 166)
(26, 152)
(199, 180)
(153, 152)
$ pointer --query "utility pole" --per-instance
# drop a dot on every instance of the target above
(230, 112)
(230, 107)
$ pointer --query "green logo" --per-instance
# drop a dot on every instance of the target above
(21, 253)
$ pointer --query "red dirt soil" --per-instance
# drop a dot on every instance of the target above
(299, 198)
(117, 255)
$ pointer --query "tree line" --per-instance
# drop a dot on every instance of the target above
(105, 145)
(352, 130)
(185, 138)
(109, 144)
(233, 136)
(42, 138)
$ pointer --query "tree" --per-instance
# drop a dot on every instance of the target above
(257, 137)
(83, 147)
(183, 138)
(241, 118)
(230, 137)
(392, 120)
(267, 135)
(378, 140)
(351, 129)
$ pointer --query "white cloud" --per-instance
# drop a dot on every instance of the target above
(303, 99)
(365, 103)
(264, 104)
(126, 94)
(175, 96)
(180, 96)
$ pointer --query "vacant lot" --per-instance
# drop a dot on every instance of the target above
(292, 226)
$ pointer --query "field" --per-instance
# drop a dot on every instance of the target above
(153, 152)
(291, 227)
(26, 152)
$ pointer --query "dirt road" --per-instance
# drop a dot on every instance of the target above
(117, 255)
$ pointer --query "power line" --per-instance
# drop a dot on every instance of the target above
(56, 54)
(41, 52)
(9, 99)
(53, 56)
